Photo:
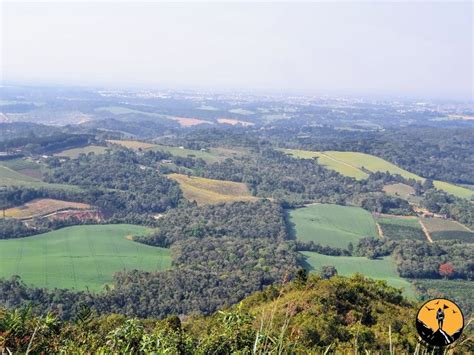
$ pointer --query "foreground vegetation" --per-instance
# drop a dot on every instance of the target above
(308, 315)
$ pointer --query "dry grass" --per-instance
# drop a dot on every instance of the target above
(208, 191)
(132, 144)
(188, 122)
(234, 122)
(43, 206)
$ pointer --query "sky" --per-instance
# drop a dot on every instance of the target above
(417, 49)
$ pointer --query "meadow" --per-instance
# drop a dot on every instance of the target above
(356, 165)
(445, 229)
(401, 228)
(75, 152)
(10, 177)
(331, 225)
(212, 155)
(208, 191)
(79, 257)
(41, 207)
(381, 269)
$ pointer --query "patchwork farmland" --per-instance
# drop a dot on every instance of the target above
(76, 152)
(331, 225)
(444, 229)
(79, 257)
(209, 191)
(357, 165)
(43, 206)
(401, 227)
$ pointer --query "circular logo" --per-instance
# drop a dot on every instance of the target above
(440, 322)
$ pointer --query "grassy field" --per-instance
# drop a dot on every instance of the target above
(329, 162)
(9, 177)
(332, 225)
(401, 228)
(43, 206)
(74, 153)
(208, 191)
(444, 229)
(347, 163)
(135, 145)
(212, 155)
(119, 110)
(79, 257)
(382, 269)
(24, 166)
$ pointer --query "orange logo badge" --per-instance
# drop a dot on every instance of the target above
(440, 322)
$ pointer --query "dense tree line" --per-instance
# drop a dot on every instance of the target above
(118, 184)
(273, 174)
(453, 207)
(43, 144)
(243, 220)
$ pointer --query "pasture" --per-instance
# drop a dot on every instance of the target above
(135, 145)
(41, 207)
(208, 191)
(234, 122)
(401, 228)
(24, 166)
(347, 163)
(10, 177)
(331, 225)
(381, 269)
(399, 189)
(75, 152)
(445, 229)
(79, 257)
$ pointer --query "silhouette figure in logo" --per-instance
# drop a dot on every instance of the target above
(440, 318)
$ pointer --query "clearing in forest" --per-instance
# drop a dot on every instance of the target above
(234, 122)
(381, 269)
(43, 206)
(445, 229)
(401, 228)
(75, 152)
(79, 257)
(209, 191)
(357, 165)
(331, 225)
(10, 177)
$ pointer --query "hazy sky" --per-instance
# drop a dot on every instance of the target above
(411, 49)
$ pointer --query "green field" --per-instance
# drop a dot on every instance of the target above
(355, 164)
(74, 153)
(80, 256)
(331, 225)
(10, 177)
(401, 228)
(119, 110)
(445, 229)
(382, 269)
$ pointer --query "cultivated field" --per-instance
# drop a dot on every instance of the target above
(332, 225)
(135, 145)
(24, 166)
(401, 228)
(444, 229)
(402, 190)
(188, 122)
(43, 206)
(79, 257)
(9, 177)
(234, 122)
(329, 163)
(382, 269)
(74, 153)
(208, 191)
(347, 163)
